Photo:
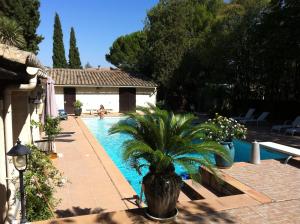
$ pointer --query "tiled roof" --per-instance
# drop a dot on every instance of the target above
(14, 62)
(13, 54)
(98, 77)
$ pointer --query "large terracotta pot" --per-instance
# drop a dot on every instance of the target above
(161, 193)
(222, 163)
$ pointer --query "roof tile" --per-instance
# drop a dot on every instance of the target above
(98, 77)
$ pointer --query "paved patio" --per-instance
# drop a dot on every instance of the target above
(92, 189)
(278, 181)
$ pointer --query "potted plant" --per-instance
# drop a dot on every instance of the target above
(228, 130)
(51, 129)
(77, 107)
(160, 140)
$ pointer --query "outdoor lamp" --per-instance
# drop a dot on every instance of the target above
(19, 155)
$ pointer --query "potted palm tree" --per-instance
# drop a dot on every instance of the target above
(77, 108)
(160, 140)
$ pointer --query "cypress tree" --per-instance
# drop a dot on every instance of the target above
(74, 58)
(58, 58)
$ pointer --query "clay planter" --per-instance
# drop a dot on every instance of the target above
(161, 193)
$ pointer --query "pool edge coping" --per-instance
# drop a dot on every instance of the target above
(123, 187)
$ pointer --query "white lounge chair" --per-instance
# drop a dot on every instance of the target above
(292, 131)
(261, 118)
(285, 125)
(248, 115)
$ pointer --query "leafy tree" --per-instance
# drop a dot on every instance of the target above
(239, 51)
(128, 52)
(74, 58)
(174, 30)
(11, 33)
(27, 15)
(58, 58)
(277, 46)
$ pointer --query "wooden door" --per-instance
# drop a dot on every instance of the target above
(127, 99)
(69, 99)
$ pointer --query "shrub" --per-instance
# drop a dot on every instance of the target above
(40, 179)
(51, 127)
(228, 129)
(77, 104)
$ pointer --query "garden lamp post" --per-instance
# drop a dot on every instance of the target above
(19, 155)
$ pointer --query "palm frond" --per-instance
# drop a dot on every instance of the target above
(161, 138)
(11, 33)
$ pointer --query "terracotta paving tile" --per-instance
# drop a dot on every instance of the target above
(89, 186)
(271, 178)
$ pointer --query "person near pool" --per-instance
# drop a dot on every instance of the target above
(101, 111)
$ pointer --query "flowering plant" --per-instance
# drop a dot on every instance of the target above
(228, 129)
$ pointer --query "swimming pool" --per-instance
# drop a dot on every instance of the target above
(113, 146)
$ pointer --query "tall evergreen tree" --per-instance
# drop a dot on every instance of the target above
(74, 58)
(58, 58)
(27, 15)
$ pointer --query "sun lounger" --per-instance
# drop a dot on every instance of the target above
(292, 152)
(292, 131)
(261, 118)
(248, 115)
(294, 124)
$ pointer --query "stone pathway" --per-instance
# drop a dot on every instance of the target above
(89, 188)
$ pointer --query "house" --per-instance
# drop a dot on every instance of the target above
(22, 79)
(115, 89)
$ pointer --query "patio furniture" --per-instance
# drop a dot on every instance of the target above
(292, 131)
(285, 125)
(261, 118)
(248, 115)
(292, 152)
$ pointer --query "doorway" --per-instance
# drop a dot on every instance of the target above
(127, 99)
(69, 99)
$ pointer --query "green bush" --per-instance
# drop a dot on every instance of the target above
(41, 178)
(51, 127)
(77, 104)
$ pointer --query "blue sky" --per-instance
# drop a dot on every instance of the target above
(97, 24)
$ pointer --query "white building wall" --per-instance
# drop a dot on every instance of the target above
(21, 117)
(93, 97)
(145, 95)
(59, 97)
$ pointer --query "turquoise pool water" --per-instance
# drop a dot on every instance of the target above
(113, 146)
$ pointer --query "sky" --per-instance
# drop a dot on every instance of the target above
(97, 24)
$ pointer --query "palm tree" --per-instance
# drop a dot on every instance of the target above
(11, 33)
(159, 140)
